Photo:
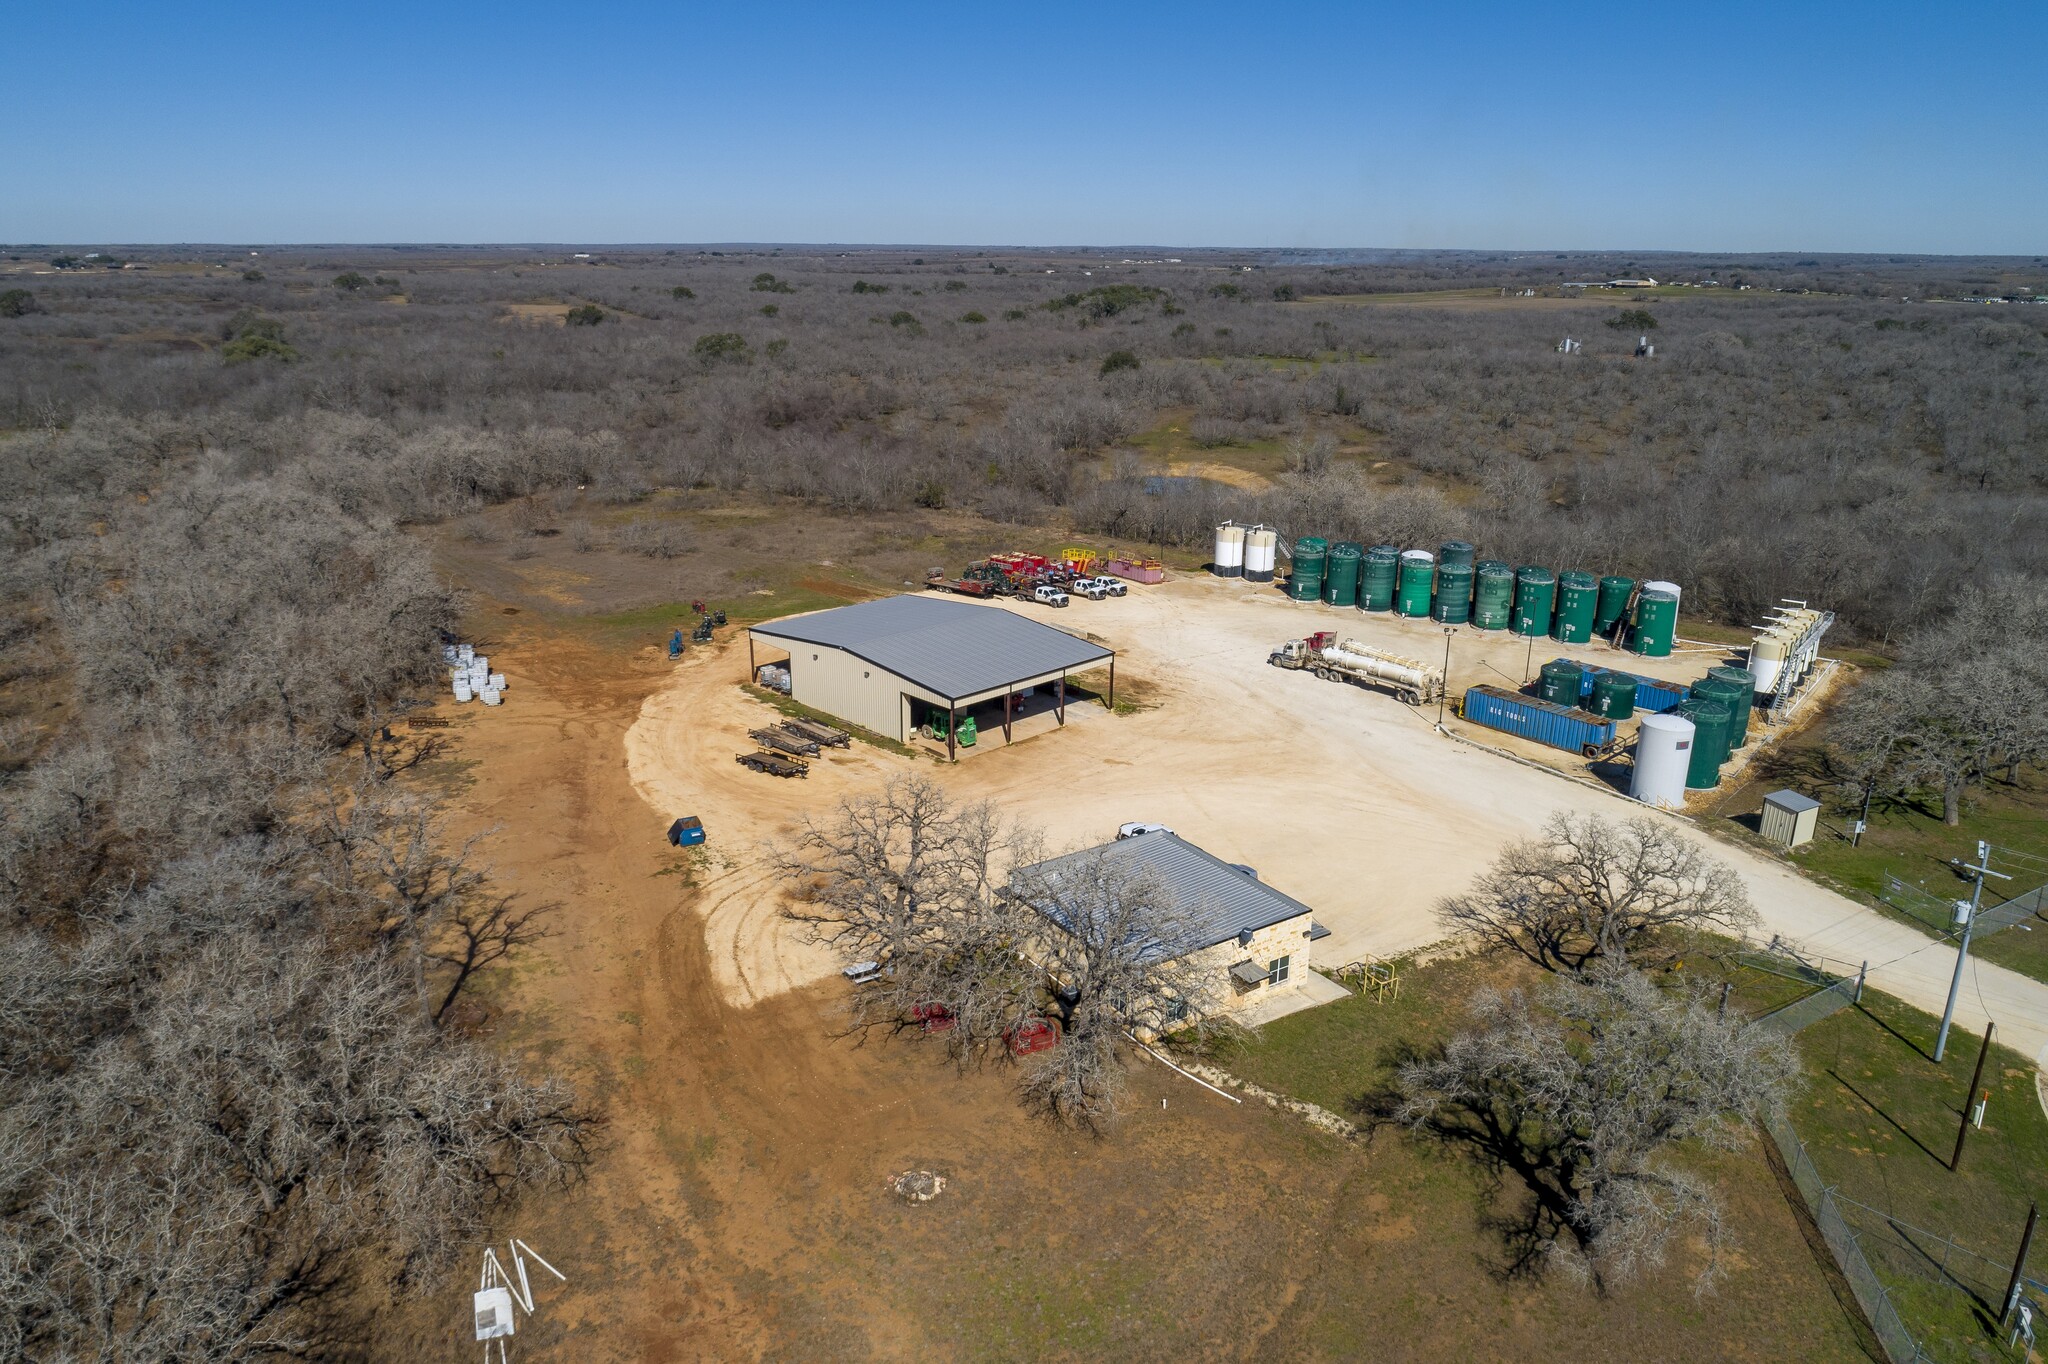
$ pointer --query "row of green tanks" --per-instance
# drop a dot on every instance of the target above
(1453, 587)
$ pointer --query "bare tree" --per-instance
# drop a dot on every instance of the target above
(1584, 1097)
(904, 878)
(1122, 959)
(1589, 888)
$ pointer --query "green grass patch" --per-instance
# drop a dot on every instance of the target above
(1878, 1116)
(797, 710)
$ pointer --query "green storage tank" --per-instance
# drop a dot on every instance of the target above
(1656, 625)
(1340, 577)
(1493, 595)
(1418, 573)
(1307, 582)
(1614, 594)
(1453, 594)
(1614, 696)
(1558, 682)
(1535, 598)
(1376, 575)
(1745, 692)
(1454, 554)
(1578, 593)
(1730, 694)
(1709, 742)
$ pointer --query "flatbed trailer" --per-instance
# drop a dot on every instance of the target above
(781, 740)
(819, 734)
(774, 764)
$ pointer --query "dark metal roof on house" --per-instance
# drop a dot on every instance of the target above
(950, 647)
(1223, 901)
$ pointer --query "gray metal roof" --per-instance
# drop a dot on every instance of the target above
(1223, 900)
(948, 646)
(1792, 800)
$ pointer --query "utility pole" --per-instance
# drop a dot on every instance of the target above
(1969, 909)
(2019, 1264)
(1444, 693)
(1955, 1161)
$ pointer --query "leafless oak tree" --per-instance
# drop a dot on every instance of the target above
(1590, 888)
(1585, 1095)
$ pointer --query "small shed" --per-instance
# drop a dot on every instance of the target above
(1789, 818)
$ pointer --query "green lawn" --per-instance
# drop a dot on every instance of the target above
(1878, 1116)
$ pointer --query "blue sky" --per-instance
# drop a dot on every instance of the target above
(1881, 126)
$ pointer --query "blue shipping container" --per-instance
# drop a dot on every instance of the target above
(1559, 726)
(1652, 696)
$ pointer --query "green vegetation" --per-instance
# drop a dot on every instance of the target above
(682, 291)
(1014, 315)
(770, 309)
(252, 336)
(587, 315)
(905, 319)
(775, 347)
(861, 286)
(350, 282)
(1879, 1118)
(1108, 300)
(1118, 359)
(1225, 291)
(715, 346)
(766, 283)
(972, 317)
(1284, 293)
(955, 286)
(18, 303)
(253, 276)
(1634, 320)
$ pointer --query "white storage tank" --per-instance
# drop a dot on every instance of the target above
(1766, 661)
(1261, 553)
(462, 691)
(498, 682)
(1228, 561)
(1657, 585)
(1663, 751)
(492, 697)
(464, 653)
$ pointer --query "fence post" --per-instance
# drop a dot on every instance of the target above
(1861, 974)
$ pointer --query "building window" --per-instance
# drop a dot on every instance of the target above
(1277, 969)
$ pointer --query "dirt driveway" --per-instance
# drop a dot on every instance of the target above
(1343, 798)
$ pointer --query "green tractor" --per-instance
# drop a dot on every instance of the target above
(968, 732)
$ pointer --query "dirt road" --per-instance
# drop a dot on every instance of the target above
(1343, 798)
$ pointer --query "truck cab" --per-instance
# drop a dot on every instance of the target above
(1090, 588)
(1113, 587)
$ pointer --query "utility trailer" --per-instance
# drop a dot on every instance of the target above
(819, 734)
(1349, 661)
(937, 581)
(793, 744)
(774, 764)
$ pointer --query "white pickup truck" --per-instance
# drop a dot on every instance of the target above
(1091, 588)
(1112, 587)
(1048, 595)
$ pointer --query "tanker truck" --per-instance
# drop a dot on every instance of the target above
(1349, 661)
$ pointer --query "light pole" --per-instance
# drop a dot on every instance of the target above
(1969, 908)
(1444, 692)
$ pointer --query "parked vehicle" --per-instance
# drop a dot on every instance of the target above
(783, 741)
(937, 581)
(1033, 1034)
(819, 734)
(1136, 827)
(1115, 587)
(862, 972)
(1090, 588)
(934, 1018)
(1414, 682)
(1049, 595)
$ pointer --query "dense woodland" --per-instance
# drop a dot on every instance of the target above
(231, 999)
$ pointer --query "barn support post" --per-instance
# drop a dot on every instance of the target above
(1060, 700)
(754, 672)
(952, 732)
(1112, 682)
(1006, 712)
